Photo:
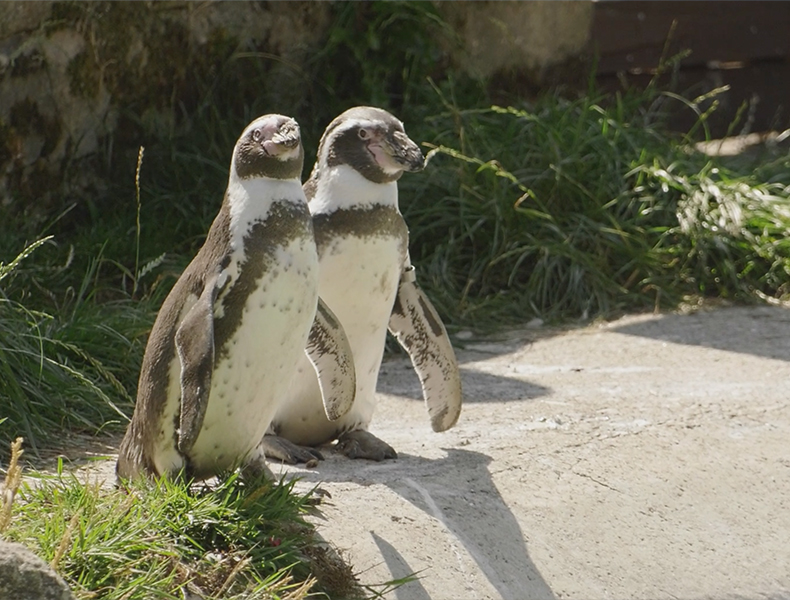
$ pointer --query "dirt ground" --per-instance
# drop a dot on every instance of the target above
(645, 458)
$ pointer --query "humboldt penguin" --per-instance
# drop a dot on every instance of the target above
(228, 337)
(366, 278)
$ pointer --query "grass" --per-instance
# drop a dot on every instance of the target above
(70, 366)
(233, 541)
(571, 209)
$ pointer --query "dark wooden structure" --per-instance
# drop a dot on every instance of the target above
(744, 45)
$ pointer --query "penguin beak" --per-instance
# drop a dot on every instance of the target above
(285, 138)
(404, 152)
(287, 135)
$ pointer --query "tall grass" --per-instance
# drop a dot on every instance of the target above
(66, 368)
(575, 208)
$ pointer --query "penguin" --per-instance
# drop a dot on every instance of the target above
(227, 339)
(366, 278)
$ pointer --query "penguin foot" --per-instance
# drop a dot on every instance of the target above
(256, 469)
(279, 448)
(363, 444)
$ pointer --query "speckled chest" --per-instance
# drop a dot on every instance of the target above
(262, 319)
(362, 252)
(272, 257)
(364, 244)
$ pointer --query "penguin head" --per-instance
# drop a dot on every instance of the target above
(371, 141)
(270, 146)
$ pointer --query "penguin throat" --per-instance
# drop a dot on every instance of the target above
(343, 187)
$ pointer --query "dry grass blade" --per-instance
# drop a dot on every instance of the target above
(13, 479)
(301, 591)
(238, 567)
(65, 541)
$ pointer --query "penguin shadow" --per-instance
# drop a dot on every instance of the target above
(397, 377)
(459, 492)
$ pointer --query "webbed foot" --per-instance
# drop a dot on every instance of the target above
(279, 448)
(363, 444)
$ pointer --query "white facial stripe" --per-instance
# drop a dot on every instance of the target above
(270, 119)
(345, 126)
(268, 122)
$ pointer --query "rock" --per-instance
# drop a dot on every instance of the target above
(24, 576)
(82, 84)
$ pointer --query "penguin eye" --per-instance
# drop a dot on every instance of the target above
(256, 134)
(364, 134)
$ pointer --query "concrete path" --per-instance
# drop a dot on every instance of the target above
(644, 458)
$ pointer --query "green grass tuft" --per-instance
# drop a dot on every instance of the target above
(234, 541)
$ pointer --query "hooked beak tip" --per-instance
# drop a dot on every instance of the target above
(416, 163)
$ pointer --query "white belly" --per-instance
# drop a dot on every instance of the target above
(358, 280)
(250, 382)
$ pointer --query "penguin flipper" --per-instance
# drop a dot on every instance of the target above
(195, 346)
(330, 354)
(418, 328)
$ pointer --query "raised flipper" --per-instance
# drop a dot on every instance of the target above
(416, 325)
(195, 346)
(330, 353)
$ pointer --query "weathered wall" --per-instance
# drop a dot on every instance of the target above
(66, 68)
(524, 36)
(71, 72)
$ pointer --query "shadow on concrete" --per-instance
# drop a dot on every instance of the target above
(458, 492)
(399, 568)
(75, 450)
(477, 385)
(759, 330)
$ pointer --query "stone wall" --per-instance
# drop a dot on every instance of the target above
(527, 37)
(70, 72)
